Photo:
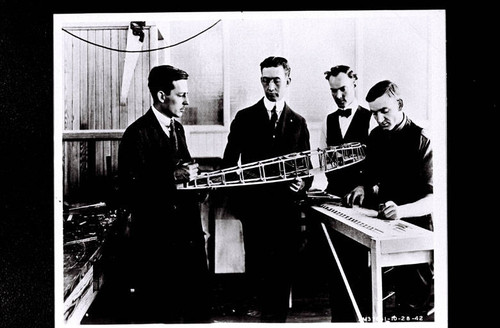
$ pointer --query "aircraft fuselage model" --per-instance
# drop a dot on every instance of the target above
(282, 168)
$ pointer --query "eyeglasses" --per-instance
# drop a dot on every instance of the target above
(267, 80)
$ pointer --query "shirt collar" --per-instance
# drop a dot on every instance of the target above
(280, 104)
(403, 123)
(162, 118)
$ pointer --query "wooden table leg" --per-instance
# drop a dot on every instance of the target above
(342, 273)
(376, 275)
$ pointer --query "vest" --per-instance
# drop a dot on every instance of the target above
(357, 131)
(342, 181)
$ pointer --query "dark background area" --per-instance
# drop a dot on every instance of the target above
(26, 152)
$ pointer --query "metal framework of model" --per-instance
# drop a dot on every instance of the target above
(282, 168)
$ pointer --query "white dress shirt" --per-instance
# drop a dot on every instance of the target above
(280, 104)
(164, 120)
(344, 123)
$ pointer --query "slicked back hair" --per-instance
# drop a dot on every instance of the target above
(336, 70)
(276, 62)
(383, 87)
(162, 78)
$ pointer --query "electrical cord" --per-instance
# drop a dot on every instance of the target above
(146, 50)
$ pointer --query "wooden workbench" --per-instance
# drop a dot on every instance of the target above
(391, 243)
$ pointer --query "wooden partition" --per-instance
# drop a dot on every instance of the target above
(94, 117)
(98, 108)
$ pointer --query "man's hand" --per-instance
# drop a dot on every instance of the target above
(185, 172)
(388, 211)
(297, 185)
(356, 196)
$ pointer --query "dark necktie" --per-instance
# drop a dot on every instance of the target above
(173, 136)
(345, 112)
(274, 119)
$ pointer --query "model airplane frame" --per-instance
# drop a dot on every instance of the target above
(282, 168)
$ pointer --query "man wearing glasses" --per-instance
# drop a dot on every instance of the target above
(269, 212)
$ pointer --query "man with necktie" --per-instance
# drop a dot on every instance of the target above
(269, 213)
(169, 273)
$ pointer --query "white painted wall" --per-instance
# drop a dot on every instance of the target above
(403, 46)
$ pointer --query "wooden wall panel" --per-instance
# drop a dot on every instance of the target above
(107, 104)
(122, 109)
(92, 86)
(91, 82)
(115, 95)
(99, 95)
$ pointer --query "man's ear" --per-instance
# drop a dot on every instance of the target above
(400, 103)
(161, 96)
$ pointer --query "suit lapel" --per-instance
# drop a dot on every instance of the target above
(157, 133)
(286, 121)
(263, 115)
(336, 127)
(352, 126)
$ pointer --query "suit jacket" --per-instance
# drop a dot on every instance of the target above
(250, 138)
(342, 181)
(166, 249)
(146, 163)
(269, 212)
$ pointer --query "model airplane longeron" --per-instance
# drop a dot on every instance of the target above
(282, 168)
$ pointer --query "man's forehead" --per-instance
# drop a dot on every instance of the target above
(339, 81)
(180, 85)
(273, 71)
(383, 101)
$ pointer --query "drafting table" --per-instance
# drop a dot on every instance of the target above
(391, 243)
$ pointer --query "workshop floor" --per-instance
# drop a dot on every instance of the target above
(309, 306)
(310, 301)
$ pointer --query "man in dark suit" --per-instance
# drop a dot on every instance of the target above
(349, 123)
(168, 262)
(269, 213)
